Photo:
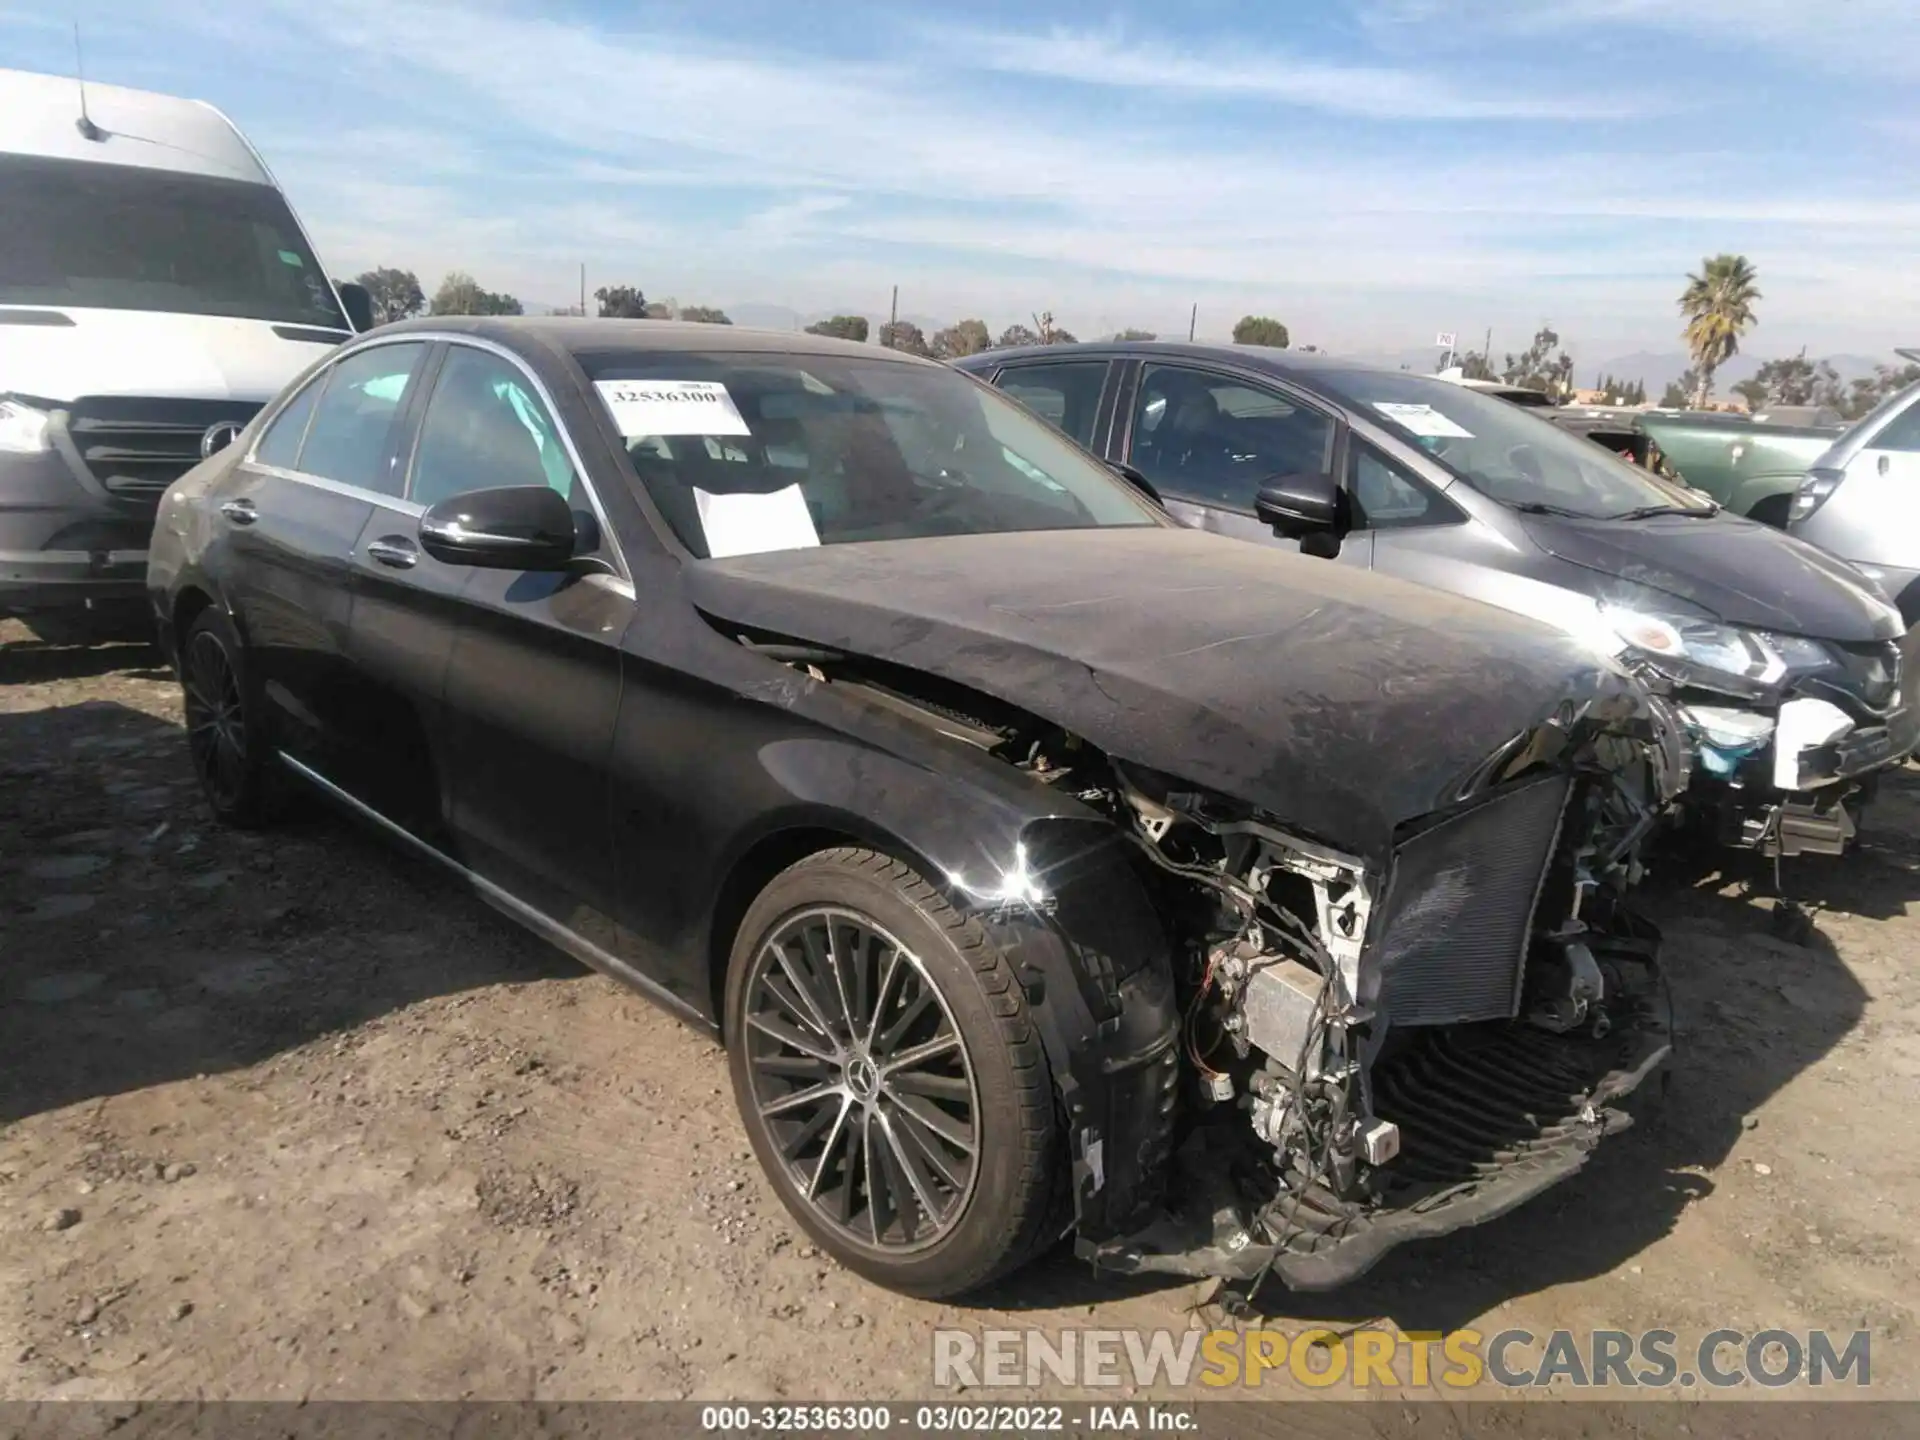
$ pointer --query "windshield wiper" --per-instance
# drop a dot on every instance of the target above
(1540, 507)
(1645, 511)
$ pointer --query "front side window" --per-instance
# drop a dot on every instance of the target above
(1064, 393)
(752, 452)
(350, 436)
(280, 445)
(1213, 440)
(1507, 453)
(485, 428)
(122, 237)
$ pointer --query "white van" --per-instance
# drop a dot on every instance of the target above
(155, 291)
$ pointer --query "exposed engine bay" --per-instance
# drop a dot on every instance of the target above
(1366, 1053)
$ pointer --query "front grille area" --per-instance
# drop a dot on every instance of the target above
(1460, 905)
(136, 447)
(1475, 1101)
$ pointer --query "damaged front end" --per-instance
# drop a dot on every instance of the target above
(1373, 1054)
(1790, 732)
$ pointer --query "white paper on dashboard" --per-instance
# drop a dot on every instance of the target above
(671, 407)
(750, 524)
(1423, 420)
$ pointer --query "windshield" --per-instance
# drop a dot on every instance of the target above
(119, 237)
(752, 452)
(1506, 452)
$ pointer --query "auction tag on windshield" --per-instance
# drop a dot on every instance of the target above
(1423, 420)
(737, 524)
(671, 407)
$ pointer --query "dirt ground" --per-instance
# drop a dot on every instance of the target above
(295, 1116)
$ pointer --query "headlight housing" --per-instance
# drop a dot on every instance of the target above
(1815, 488)
(1717, 650)
(23, 428)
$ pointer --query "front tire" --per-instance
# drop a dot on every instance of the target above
(225, 735)
(889, 1076)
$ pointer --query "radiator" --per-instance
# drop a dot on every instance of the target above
(1459, 909)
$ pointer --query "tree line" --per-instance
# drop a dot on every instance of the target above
(397, 295)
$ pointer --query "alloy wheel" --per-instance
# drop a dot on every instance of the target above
(862, 1080)
(216, 721)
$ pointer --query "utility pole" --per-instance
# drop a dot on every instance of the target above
(1193, 318)
(583, 288)
(893, 318)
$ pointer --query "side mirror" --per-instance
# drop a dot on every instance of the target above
(1297, 506)
(516, 527)
(1134, 478)
(358, 303)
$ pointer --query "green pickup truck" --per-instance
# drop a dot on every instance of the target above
(1751, 465)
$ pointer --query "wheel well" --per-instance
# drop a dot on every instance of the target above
(750, 875)
(186, 610)
(1771, 511)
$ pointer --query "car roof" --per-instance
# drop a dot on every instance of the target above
(1298, 365)
(589, 336)
(39, 116)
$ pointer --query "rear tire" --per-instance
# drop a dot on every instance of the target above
(903, 1110)
(226, 736)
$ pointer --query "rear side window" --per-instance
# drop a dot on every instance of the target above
(350, 437)
(281, 444)
(1065, 394)
(485, 428)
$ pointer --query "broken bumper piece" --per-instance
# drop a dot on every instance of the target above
(1489, 1116)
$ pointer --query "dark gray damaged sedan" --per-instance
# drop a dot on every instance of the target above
(1042, 865)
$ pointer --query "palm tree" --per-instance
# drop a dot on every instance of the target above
(1718, 304)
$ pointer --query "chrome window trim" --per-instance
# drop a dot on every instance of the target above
(407, 507)
(340, 487)
(322, 377)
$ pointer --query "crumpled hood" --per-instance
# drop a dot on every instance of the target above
(139, 352)
(1736, 570)
(1340, 701)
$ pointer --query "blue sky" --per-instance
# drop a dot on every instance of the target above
(1370, 172)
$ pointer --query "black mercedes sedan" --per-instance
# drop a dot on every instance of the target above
(1042, 865)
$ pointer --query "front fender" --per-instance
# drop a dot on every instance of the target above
(1054, 884)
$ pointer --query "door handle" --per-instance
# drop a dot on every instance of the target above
(1886, 464)
(395, 550)
(240, 512)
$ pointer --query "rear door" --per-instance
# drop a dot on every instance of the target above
(1208, 440)
(532, 687)
(291, 513)
(1075, 396)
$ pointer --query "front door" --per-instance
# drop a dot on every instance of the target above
(1208, 441)
(532, 685)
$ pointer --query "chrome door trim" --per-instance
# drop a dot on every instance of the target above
(339, 487)
(547, 928)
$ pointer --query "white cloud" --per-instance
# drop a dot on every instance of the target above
(1873, 37)
(834, 179)
(1373, 91)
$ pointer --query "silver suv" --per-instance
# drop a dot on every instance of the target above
(1861, 499)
